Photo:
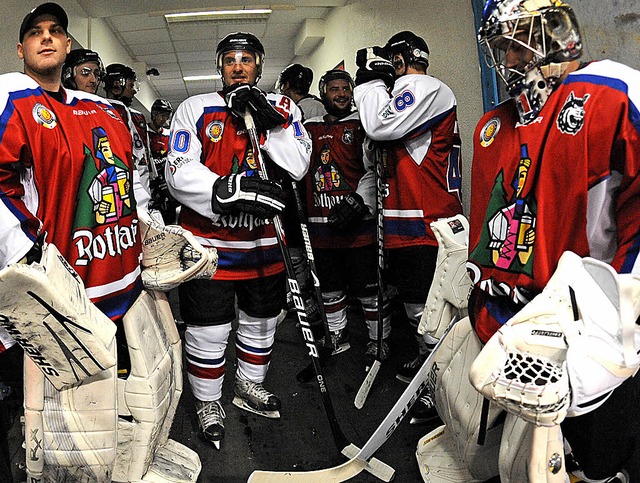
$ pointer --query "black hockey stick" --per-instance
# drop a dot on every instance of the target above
(383, 432)
(307, 373)
(338, 436)
(363, 392)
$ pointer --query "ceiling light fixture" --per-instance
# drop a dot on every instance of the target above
(218, 15)
(196, 78)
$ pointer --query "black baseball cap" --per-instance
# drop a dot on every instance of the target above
(48, 8)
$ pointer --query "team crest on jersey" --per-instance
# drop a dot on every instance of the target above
(110, 113)
(348, 136)
(489, 132)
(44, 116)
(571, 117)
(214, 131)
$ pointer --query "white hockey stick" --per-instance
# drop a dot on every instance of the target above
(358, 462)
(363, 392)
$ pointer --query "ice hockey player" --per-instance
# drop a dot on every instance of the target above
(414, 115)
(158, 135)
(82, 70)
(555, 171)
(68, 184)
(294, 82)
(340, 197)
(213, 172)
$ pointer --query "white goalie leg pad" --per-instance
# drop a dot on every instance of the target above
(71, 433)
(44, 307)
(171, 255)
(451, 284)
(515, 449)
(460, 407)
(151, 393)
(566, 350)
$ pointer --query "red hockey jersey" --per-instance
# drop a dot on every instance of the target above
(66, 169)
(569, 180)
(208, 141)
(338, 167)
(417, 124)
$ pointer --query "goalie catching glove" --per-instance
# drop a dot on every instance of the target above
(242, 97)
(235, 193)
(171, 255)
(567, 350)
(373, 64)
(349, 210)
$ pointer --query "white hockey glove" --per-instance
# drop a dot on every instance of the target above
(569, 348)
(235, 193)
(451, 284)
(373, 63)
(171, 255)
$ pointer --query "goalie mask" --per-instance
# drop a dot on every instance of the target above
(530, 45)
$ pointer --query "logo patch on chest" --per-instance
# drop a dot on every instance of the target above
(489, 132)
(44, 116)
(571, 117)
(214, 131)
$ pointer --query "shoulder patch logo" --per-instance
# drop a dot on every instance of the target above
(489, 132)
(571, 117)
(44, 116)
(214, 131)
(347, 136)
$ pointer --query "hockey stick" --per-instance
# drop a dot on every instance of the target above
(357, 463)
(363, 392)
(305, 374)
(339, 438)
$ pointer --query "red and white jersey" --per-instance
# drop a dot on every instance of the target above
(208, 141)
(417, 124)
(569, 180)
(339, 166)
(158, 147)
(66, 169)
(140, 123)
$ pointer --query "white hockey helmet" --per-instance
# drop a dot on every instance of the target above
(548, 29)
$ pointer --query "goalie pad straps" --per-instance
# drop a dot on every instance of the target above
(172, 255)
(151, 393)
(451, 284)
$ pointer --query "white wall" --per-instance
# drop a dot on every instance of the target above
(449, 31)
(92, 34)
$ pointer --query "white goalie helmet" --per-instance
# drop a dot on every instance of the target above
(543, 35)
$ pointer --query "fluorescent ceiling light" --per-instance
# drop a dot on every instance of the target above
(218, 15)
(195, 78)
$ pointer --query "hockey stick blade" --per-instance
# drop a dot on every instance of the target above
(363, 392)
(384, 431)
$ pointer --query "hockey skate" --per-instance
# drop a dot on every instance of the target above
(424, 409)
(371, 353)
(253, 397)
(211, 419)
(339, 341)
(411, 368)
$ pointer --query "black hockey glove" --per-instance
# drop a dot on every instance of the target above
(235, 193)
(160, 196)
(373, 64)
(349, 210)
(240, 97)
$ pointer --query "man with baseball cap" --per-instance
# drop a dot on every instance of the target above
(51, 9)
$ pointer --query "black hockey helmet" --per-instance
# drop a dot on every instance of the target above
(75, 58)
(330, 75)
(118, 72)
(413, 49)
(240, 41)
(298, 77)
(161, 105)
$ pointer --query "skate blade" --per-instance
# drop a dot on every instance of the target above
(428, 419)
(239, 402)
(404, 379)
(341, 349)
(217, 444)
